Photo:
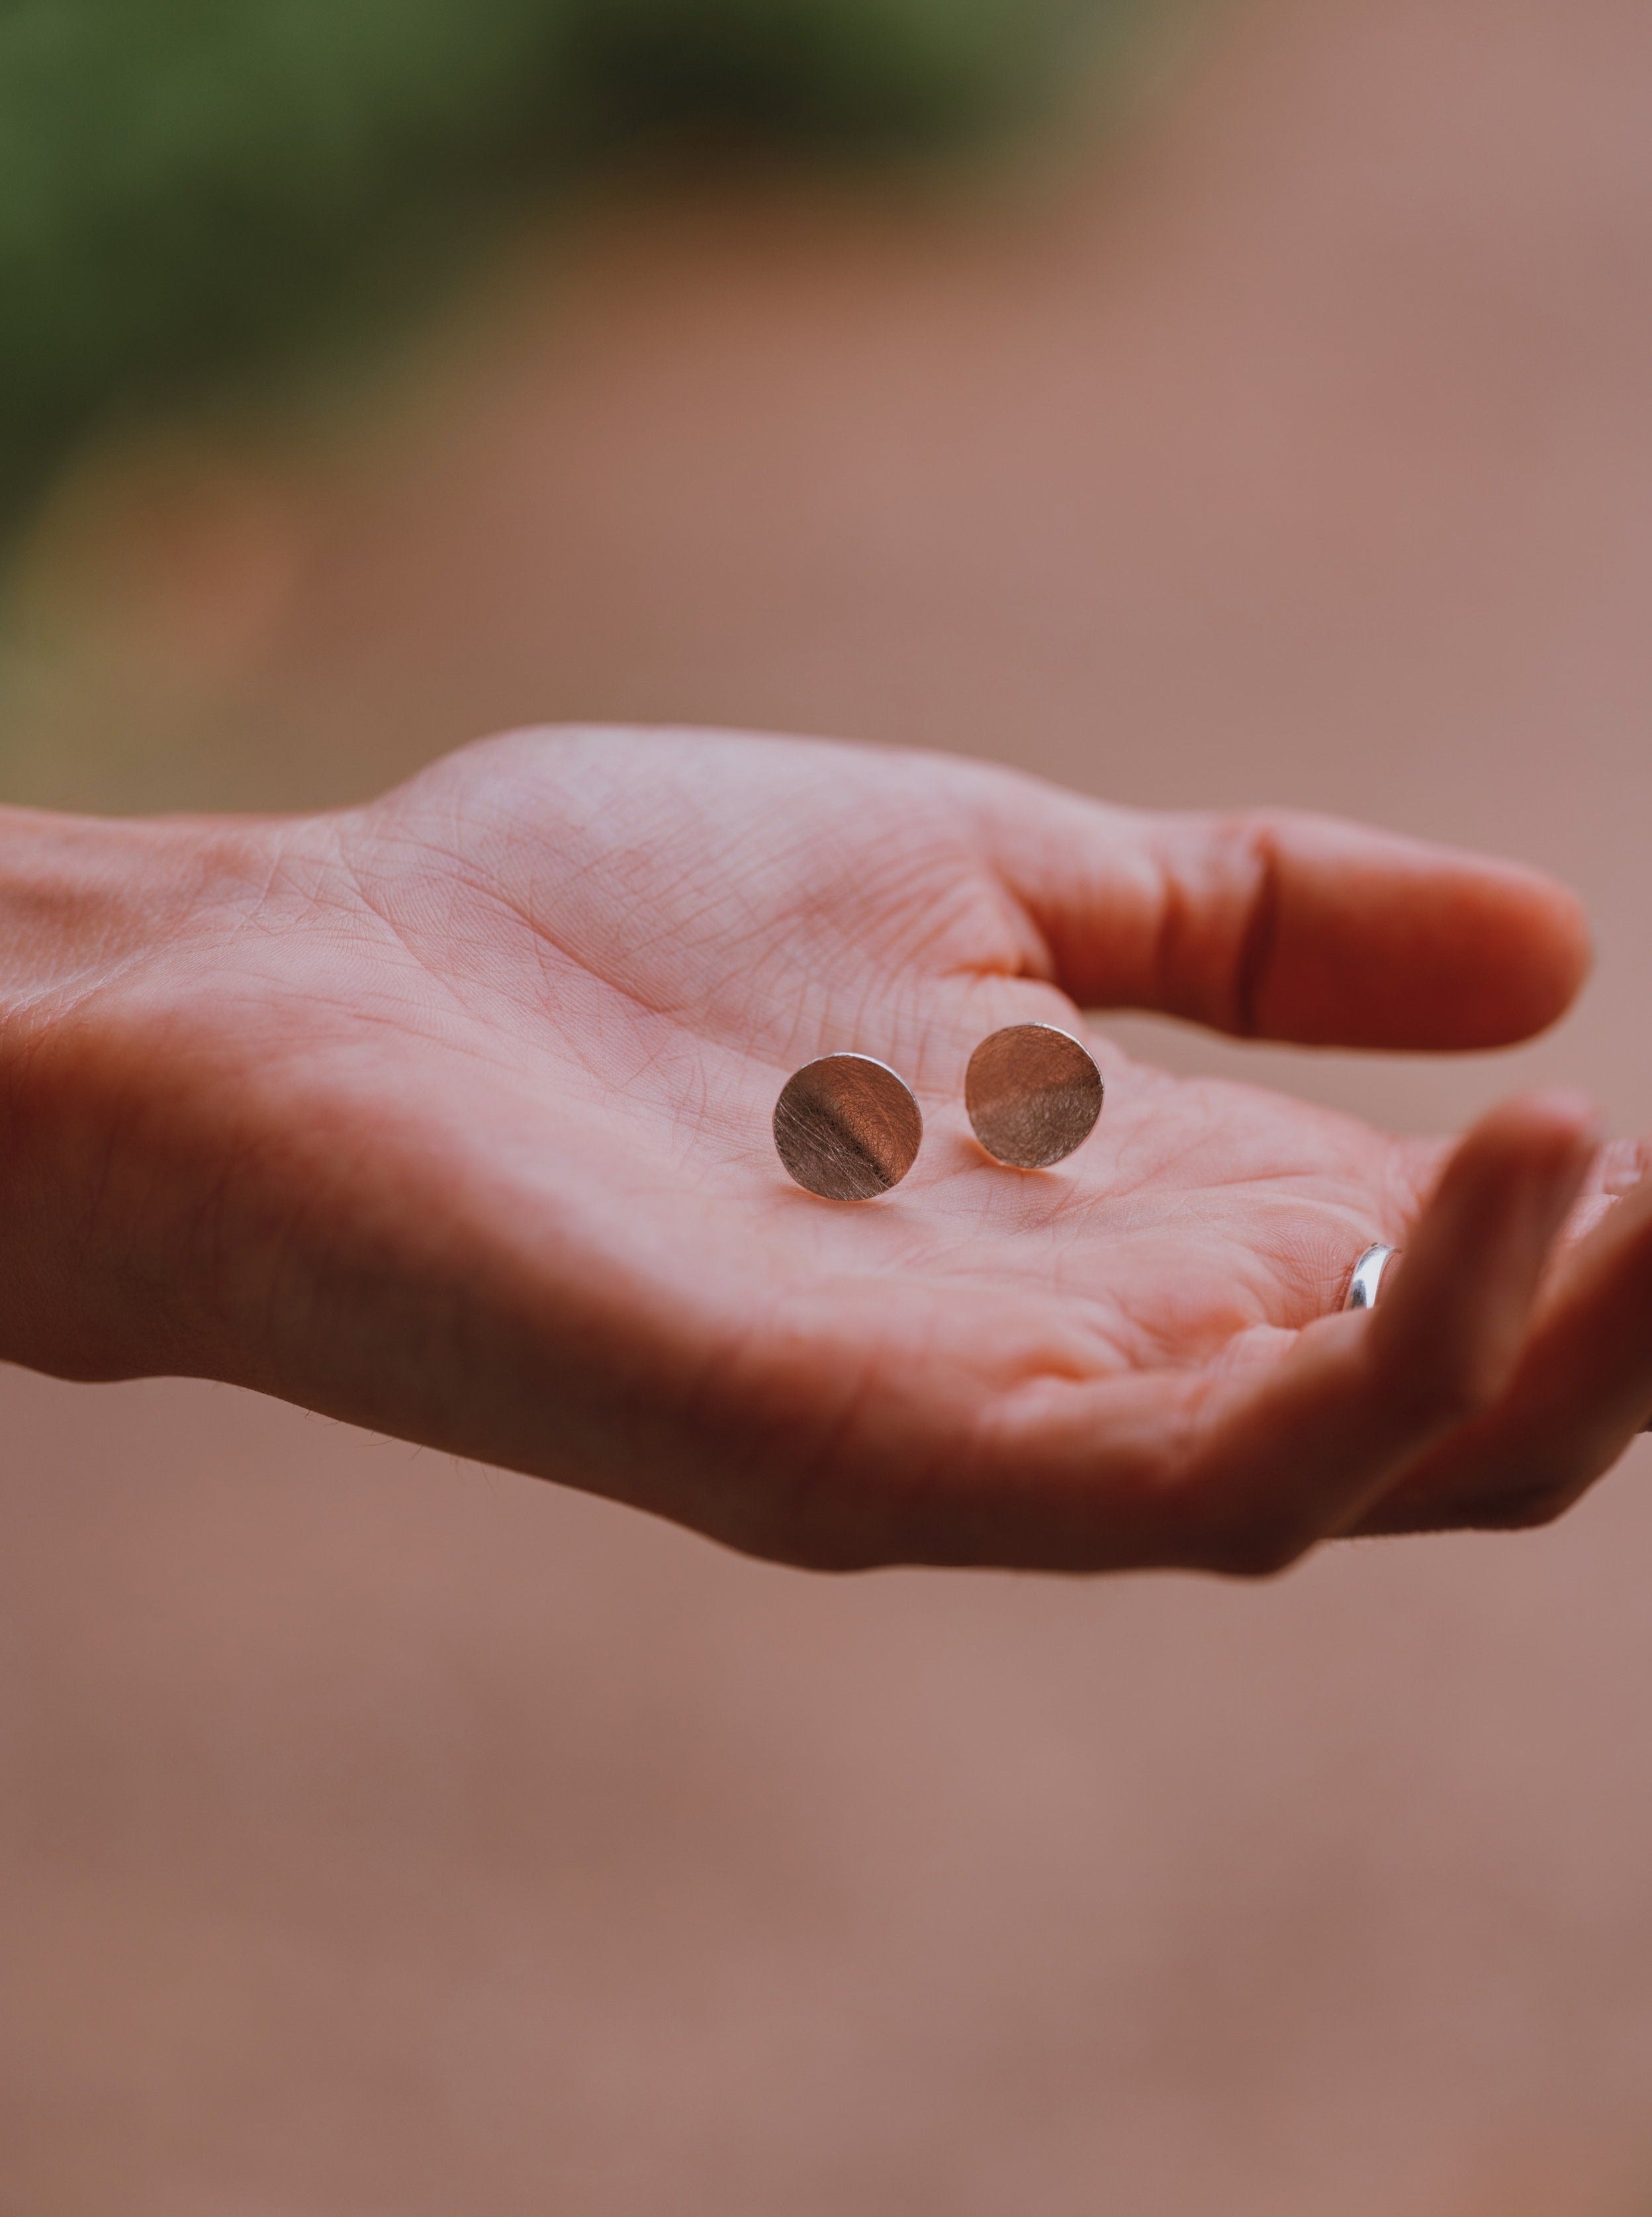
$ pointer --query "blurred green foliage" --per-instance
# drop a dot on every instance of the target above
(190, 185)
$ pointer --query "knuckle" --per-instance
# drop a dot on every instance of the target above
(1527, 1510)
(1253, 840)
(1266, 1548)
(824, 1558)
(1533, 1491)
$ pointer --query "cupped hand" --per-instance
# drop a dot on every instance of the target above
(451, 1116)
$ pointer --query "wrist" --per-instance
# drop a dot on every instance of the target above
(92, 914)
(66, 886)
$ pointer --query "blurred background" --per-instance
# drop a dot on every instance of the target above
(1210, 404)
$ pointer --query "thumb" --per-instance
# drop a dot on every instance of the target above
(1276, 925)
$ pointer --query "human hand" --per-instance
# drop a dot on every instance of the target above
(450, 1115)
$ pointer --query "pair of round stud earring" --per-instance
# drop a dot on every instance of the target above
(848, 1127)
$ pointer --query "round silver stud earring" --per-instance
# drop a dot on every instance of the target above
(1034, 1094)
(848, 1127)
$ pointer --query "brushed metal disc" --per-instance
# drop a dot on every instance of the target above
(848, 1127)
(1034, 1094)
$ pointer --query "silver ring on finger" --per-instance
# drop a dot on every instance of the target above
(1369, 1271)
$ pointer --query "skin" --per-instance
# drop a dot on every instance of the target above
(450, 1115)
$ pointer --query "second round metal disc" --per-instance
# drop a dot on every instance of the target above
(847, 1128)
(1034, 1094)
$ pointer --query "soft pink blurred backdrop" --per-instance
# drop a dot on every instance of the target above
(385, 1838)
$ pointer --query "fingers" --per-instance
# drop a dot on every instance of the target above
(1581, 1394)
(1289, 927)
(1465, 1288)
(1326, 1435)
(1246, 1477)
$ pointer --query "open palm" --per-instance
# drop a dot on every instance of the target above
(451, 1116)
